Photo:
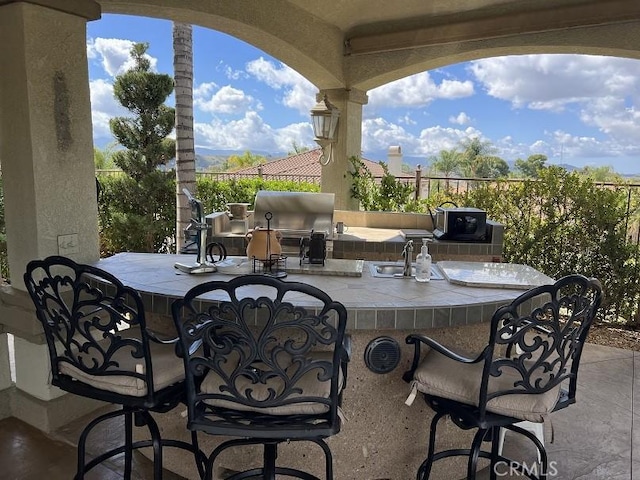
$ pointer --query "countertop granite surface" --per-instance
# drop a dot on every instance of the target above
(155, 274)
(496, 275)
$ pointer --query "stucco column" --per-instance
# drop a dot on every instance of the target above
(5, 375)
(46, 143)
(335, 175)
(46, 153)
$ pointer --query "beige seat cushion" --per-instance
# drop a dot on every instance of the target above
(309, 383)
(167, 370)
(441, 376)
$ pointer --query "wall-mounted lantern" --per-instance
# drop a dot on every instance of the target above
(324, 116)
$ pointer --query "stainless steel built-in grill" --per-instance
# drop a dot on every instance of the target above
(295, 216)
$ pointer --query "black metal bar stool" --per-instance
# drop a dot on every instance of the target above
(263, 369)
(528, 370)
(101, 348)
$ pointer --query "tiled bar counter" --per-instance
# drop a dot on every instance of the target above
(382, 437)
(372, 303)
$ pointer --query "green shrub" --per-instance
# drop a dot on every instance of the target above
(390, 195)
(137, 216)
(133, 220)
(563, 223)
(215, 194)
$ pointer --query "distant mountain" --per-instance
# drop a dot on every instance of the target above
(206, 162)
(424, 163)
(212, 152)
(207, 158)
(566, 166)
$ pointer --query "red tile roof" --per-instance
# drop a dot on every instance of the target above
(303, 164)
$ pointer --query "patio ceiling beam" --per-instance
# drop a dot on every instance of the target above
(449, 31)
(83, 8)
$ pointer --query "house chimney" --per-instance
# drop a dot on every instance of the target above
(395, 160)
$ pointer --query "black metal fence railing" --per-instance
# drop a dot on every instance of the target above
(430, 186)
(225, 176)
(315, 179)
(460, 185)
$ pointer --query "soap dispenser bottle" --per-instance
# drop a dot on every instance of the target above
(423, 263)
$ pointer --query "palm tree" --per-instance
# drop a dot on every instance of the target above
(447, 163)
(185, 149)
(479, 159)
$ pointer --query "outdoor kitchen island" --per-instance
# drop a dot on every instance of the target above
(382, 438)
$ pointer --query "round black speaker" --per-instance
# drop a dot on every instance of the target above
(382, 355)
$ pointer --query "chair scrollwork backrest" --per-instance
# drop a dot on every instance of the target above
(90, 331)
(536, 341)
(261, 344)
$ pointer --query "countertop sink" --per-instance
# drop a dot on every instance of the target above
(395, 269)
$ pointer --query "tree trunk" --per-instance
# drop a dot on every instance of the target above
(185, 150)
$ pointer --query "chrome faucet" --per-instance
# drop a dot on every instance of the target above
(407, 253)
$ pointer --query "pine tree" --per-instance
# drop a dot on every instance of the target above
(144, 136)
(142, 205)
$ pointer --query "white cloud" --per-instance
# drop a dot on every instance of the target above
(461, 119)
(251, 133)
(436, 138)
(298, 92)
(568, 146)
(418, 91)
(602, 90)
(227, 100)
(102, 96)
(546, 82)
(539, 146)
(100, 122)
(407, 120)
(614, 118)
(378, 134)
(299, 133)
(231, 73)
(204, 90)
(510, 149)
(114, 54)
(103, 107)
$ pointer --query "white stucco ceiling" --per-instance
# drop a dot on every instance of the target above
(366, 43)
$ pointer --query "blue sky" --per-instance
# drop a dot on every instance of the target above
(580, 110)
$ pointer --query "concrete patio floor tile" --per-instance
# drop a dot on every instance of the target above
(593, 437)
(595, 353)
(592, 441)
(606, 383)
